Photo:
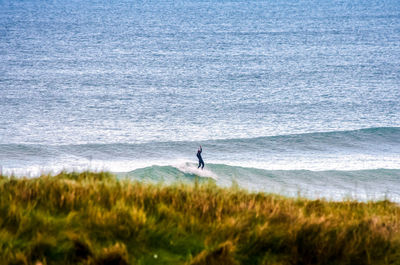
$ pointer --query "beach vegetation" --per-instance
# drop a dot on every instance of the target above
(96, 218)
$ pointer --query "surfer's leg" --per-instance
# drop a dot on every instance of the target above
(202, 164)
(199, 164)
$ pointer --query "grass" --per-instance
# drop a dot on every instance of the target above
(95, 218)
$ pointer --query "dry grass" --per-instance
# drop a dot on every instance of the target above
(94, 218)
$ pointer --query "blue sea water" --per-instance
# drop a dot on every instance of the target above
(284, 96)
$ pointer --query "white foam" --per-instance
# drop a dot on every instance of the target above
(192, 169)
(318, 163)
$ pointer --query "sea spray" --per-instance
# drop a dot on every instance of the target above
(189, 168)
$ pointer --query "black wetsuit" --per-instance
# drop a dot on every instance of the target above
(201, 162)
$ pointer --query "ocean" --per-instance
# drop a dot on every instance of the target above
(291, 97)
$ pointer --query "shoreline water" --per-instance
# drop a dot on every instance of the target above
(362, 164)
(332, 185)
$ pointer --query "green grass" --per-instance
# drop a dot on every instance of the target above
(94, 218)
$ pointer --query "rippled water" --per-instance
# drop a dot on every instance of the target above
(122, 71)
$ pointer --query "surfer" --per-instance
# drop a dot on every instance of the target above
(201, 162)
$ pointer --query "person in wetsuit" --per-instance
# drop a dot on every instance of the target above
(201, 162)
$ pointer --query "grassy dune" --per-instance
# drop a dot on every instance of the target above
(94, 218)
